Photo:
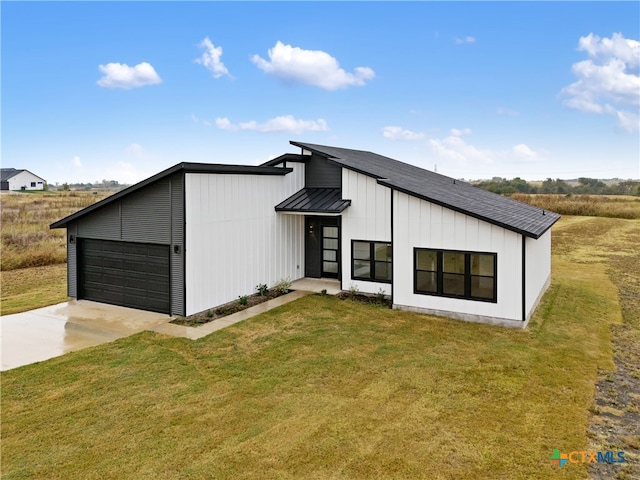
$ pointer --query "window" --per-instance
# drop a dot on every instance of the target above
(448, 273)
(33, 184)
(371, 261)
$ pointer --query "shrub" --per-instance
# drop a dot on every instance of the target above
(242, 300)
(283, 286)
(380, 295)
(353, 291)
(262, 289)
(323, 292)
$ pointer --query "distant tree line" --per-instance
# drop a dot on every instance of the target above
(111, 185)
(590, 186)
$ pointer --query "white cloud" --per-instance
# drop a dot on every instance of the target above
(524, 152)
(77, 162)
(284, 123)
(608, 82)
(195, 119)
(121, 75)
(210, 58)
(134, 149)
(507, 112)
(464, 40)
(464, 154)
(459, 133)
(397, 133)
(312, 67)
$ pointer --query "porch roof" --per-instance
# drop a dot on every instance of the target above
(314, 200)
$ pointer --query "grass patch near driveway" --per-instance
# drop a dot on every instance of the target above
(323, 389)
(29, 288)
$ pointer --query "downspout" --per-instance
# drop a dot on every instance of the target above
(524, 278)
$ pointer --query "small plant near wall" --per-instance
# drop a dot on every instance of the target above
(242, 300)
(283, 286)
(262, 289)
(353, 291)
(380, 295)
(323, 292)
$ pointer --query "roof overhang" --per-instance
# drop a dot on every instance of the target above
(316, 201)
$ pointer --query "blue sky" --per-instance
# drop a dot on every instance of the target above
(122, 90)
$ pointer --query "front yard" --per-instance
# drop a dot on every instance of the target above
(328, 388)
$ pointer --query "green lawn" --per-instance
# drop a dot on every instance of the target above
(325, 388)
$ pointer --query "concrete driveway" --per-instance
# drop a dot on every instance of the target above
(48, 332)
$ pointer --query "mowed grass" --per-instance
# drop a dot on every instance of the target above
(612, 206)
(26, 239)
(328, 389)
(29, 288)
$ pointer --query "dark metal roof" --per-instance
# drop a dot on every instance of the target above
(7, 173)
(185, 167)
(441, 190)
(286, 157)
(314, 200)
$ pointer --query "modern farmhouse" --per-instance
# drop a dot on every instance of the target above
(14, 179)
(199, 235)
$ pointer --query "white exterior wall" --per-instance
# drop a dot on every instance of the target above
(538, 269)
(234, 238)
(421, 224)
(368, 218)
(24, 179)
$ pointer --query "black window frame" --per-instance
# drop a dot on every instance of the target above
(372, 261)
(468, 275)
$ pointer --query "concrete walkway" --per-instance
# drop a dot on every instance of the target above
(195, 333)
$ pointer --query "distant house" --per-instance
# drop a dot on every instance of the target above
(13, 179)
(199, 235)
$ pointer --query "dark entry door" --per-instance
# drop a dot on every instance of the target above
(128, 274)
(322, 247)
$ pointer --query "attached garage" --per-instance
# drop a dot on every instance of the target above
(130, 274)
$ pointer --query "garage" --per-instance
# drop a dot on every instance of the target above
(130, 274)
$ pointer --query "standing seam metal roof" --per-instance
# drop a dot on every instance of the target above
(441, 190)
(314, 200)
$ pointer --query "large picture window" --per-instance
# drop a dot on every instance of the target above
(371, 261)
(449, 273)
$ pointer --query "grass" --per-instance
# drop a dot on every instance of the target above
(612, 206)
(324, 388)
(29, 288)
(26, 239)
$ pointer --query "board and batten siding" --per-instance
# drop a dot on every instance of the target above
(367, 218)
(422, 224)
(153, 214)
(538, 270)
(234, 238)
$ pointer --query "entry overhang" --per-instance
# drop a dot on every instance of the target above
(316, 201)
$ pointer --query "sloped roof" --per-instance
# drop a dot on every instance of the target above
(186, 167)
(314, 200)
(441, 190)
(7, 173)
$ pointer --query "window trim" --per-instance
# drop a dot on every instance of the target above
(372, 261)
(467, 274)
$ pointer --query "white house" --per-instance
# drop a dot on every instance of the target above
(12, 179)
(199, 235)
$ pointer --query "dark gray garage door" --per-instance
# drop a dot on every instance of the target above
(128, 274)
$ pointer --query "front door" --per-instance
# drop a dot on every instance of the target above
(322, 247)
